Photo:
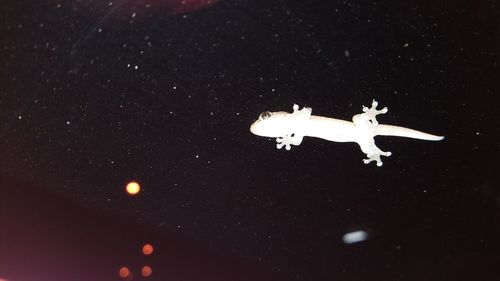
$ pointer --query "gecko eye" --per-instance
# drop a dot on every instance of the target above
(265, 115)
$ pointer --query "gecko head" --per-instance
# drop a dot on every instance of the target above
(270, 124)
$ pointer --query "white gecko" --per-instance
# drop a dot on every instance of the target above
(290, 128)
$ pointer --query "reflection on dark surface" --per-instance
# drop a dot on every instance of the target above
(48, 237)
(45, 237)
(175, 7)
(186, 6)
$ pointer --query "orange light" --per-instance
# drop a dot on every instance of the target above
(147, 249)
(133, 188)
(146, 271)
(124, 272)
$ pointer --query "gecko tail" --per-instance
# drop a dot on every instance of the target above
(389, 130)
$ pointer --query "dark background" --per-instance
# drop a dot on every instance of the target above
(93, 95)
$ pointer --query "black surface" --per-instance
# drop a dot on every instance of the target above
(94, 95)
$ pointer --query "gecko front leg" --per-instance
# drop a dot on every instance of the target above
(289, 139)
(302, 114)
(296, 121)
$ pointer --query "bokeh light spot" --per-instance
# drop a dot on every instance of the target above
(146, 271)
(124, 272)
(147, 249)
(355, 237)
(133, 188)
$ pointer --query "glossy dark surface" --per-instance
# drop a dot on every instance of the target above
(93, 95)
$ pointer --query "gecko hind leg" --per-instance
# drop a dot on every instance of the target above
(376, 157)
(372, 112)
(373, 152)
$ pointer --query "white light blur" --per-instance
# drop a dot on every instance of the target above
(355, 237)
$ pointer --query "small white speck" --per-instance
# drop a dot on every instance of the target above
(128, 65)
(99, 30)
(197, 156)
(406, 45)
(20, 117)
(136, 67)
(133, 14)
(174, 87)
(67, 123)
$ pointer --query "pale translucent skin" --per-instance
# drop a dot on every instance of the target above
(290, 128)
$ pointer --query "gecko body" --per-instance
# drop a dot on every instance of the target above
(290, 129)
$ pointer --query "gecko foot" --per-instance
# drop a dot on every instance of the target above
(303, 113)
(372, 112)
(288, 140)
(375, 156)
(283, 141)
